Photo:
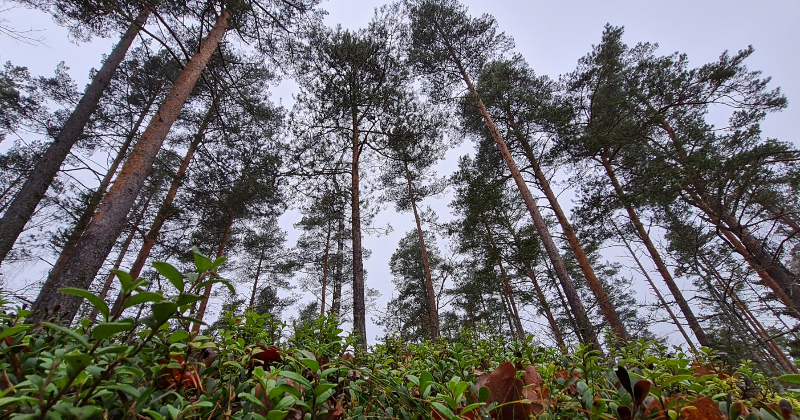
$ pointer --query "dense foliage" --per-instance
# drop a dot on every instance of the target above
(507, 307)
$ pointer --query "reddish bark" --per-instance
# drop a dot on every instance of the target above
(608, 310)
(694, 324)
(163, 212)
(430, 296)
(33, 190)
(103, 230)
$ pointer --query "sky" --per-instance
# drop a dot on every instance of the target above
(551, 35)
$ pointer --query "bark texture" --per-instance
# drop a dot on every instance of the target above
(691, 319)
(163, 211)
(608, 310)
(33, 190)
(430, 296)
(103, 230)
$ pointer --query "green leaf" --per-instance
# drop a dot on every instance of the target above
(107, 329)
(284, 388)
(791, 378)
(14, 330)
(156, 415)
(189, 298)
(322, 389)
(11, 400)
(77, 361)
(676, 378)
(94, 300)
(444, 410)
(471, 407)
(162, 311)
(285, 402)
(277, 414)
(142, 297)
(170, 273)
(312, 364)
(202, 262)
(483, 394)
(253, 400)
(295, 377)
(179, 335)
(128, 389)
(72, 333)
(125, 280)
(219, 261)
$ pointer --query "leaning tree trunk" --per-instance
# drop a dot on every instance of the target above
(694, 324)
(33, 190)
(661, 299)
(201, 311)
(359, 305)
(103, 230)
(506, 284)
(163, 212)
(541, 227)
(539, 293)
(606, 307)
(97, 197)
(771, 271)
(122, 252)
(433, 309)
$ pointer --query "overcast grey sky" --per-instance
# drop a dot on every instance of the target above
(551, 35)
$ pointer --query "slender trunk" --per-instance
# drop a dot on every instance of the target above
(336, 304)
(742, 329)
(33, 190)
(97, 196)
(325, 268)
(201, 312)
(255, 281)
(661, 299)
(755, 324)
(791, 302)
(359, 306)
(124, 250)
(771, 271)
(541, 227)
(164, 210)
(104, 228)
(433, 310)
(539, 293)
(606, 307)
(506, 284)
(570, 318)
(694, 324)
(509, 315)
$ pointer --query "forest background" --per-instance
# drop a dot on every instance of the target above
(550, 36)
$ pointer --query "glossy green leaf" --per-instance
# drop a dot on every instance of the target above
(96, 302)
(125, 280)
(142, 297)
(14, 330)
(107, 329)
(170, 273)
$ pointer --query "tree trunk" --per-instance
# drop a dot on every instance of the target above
(655, 290)
(33, 190)
(539, 293)
(97, 196)
(608, 310)
(325, 268)
(506, 284)
(660, 265)
(163, 212)
(433, 309)
(201, 312)
(336, 304)
(755, 324)
(359, 306)
(103, 230)
(255, 281)
(124, 250)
